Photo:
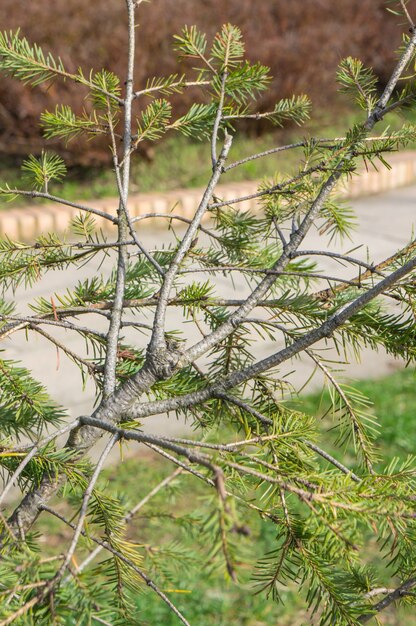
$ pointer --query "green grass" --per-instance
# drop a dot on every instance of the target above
(202, 592)
(178, 162)
(394, 406)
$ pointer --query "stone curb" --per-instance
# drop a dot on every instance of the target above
(27, 223)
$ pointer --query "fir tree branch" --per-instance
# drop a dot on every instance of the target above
(255, 270)
(275, 189)
(357, 429)
(33, 452)
(157, 342)
(297, 237)
(302, 144)
(129, 516)
(405, 10)
(327, 294)
(28, 321)
(401, 65)
(49, 585)
(167, 365)
(208, 462)
(117, 309)
(107, 546)
(117, 166)
(267, 423)
(393, 596)
(326, 330)
(372, 269)
(84, 507)
(20, 60)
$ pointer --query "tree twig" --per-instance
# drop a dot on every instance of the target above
(117, 309)
(158, 342)
(19, 469)
(104, 544)
(391, 597)
(127, 518)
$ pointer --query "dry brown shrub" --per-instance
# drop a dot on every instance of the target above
(301, 41)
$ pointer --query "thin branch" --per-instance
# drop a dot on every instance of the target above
(166, 481)
(326, 294)
(149, 582)
(210, 482)
(298, 144)
(79, 245)
(256, 270)
(173, 216)
(348, 406)
(291, 146)
(178, 84)
(403, 4)
(121, 195)
(19, 469)
(109, 383)
(30, 321)
(398, 103)
(193, 457)
(250, 116)
(401, 65)
(267, 422)
(377, 591)
(372, 269)
(393, 596)
(75, 205)
(84, 508)
(21, 322)
(333, 461)
(218, 119)
(180, 464)
(274, 190)
(61, 346)
(202, 458)
(158, 341)
(233, 446)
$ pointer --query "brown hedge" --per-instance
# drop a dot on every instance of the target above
(301, 40)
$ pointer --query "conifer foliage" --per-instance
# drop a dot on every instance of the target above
(254, 456)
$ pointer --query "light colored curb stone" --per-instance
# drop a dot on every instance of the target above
(188, 202)
(9, 225)
(27, 223)
(28, 226)
(63, 216)
(45, 222)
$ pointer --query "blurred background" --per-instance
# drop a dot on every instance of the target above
(301, 41)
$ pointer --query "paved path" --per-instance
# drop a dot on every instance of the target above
(385, 224)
